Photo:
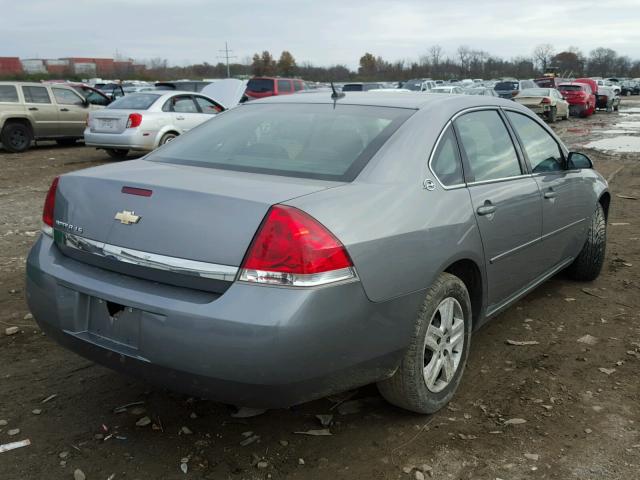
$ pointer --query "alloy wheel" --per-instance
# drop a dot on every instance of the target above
(444, 343)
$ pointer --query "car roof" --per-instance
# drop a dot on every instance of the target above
(410, 100)
(35, 84)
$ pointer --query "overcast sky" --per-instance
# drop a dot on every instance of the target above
(323, 32)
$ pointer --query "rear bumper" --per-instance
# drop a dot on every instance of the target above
(132, 139)
(257, 346)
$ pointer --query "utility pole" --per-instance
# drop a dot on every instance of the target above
(226, 56)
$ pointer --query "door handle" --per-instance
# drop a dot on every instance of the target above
(33, 108)
(64, 109)
(179, 118)
(487, 209)
(550, 194)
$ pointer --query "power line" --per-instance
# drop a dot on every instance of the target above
(226, 56)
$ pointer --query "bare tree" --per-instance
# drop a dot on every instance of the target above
(543, 54)
(435, 55)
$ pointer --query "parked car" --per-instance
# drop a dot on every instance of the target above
(510, 88)
(361, 87)
(549, 82)
(629, 87)
(582, 101)
(112, 90)
(92, 95)
(481, 91)
(183, 85)
(419, 84)
(606, 97)
(37, 111)
(260, 87)
(607, 83)
(450, 89)
(276, 254)
(546, 102)
(144, 121)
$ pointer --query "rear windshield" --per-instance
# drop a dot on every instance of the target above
(545, 82)
(319, 141)
(571, 88)
(260, 85)
(353, 87)
(415, 85)
(134, 101)
(506, 86)
(534, 92)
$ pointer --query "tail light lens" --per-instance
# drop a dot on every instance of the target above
(49, 207)
(135, 119)
(546, 100)
(292, 248)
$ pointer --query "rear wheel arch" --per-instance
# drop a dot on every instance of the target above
(165, 132)
(469, 272)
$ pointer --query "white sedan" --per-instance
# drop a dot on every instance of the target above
(452, 90)
(146, 120)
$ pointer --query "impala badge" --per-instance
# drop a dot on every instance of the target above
(127, 218)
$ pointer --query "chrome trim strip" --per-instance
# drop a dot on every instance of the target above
(534, 241)
(496, 180)
(150, 260)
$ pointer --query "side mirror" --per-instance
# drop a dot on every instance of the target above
(578, 161)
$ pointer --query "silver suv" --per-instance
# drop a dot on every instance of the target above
(35, 111)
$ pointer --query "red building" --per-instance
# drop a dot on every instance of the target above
(10, 66)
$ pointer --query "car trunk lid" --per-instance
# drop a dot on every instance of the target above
(109, 120)
(196, 214)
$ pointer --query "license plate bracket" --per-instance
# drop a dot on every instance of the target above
(114, 322)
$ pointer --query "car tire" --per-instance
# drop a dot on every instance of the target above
(553, 113)
(588, 264)
(166, 138)
(422, 383)
(16, 137)
(117, 153)
(66, 142)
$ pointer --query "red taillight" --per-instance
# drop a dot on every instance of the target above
(135, 119)
(546, 100)
(292, 248)
(49, 204)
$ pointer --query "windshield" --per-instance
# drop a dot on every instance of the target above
(322, 141)
(506, 86)
(534, 92)
(135, 101)
(260, 85)
(415, 85)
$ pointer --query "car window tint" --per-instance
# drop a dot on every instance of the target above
(446, 160)
(207, 106)
(284, 86)
(183, 105)
(300, 140)
(135, 101)
(488, 146)
(542, 150)
(36, 95)
(8, 93)
(66, 97)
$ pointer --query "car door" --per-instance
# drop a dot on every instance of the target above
(185, 112)
(42, 110)
(566, 198)
(73, 112)
(207, 106)
(506, 202)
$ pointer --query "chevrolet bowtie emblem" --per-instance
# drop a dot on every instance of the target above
(127, 218)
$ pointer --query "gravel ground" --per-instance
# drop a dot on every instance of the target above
(578, 402)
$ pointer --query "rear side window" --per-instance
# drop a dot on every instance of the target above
(36, 95)
(8, 93)
(542, 150)
(319, 141)
(182, 105)
(446, 162)
(284, 86)
(66, 97)
(260, 85)
(135, 101)
(487, 146)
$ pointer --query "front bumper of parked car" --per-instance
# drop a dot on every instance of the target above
(253, 345)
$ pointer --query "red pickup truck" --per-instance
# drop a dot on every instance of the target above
(582, 101)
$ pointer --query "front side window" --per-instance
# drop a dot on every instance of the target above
(8, 93)
(542, 150)
(320, 141)
(66, 97)
(36, 95)
(446, 164)
(487, 146)
(284, 86)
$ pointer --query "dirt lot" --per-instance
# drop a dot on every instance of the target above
(581, 402)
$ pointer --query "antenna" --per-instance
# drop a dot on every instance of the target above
(336, 95)
(226, 56)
